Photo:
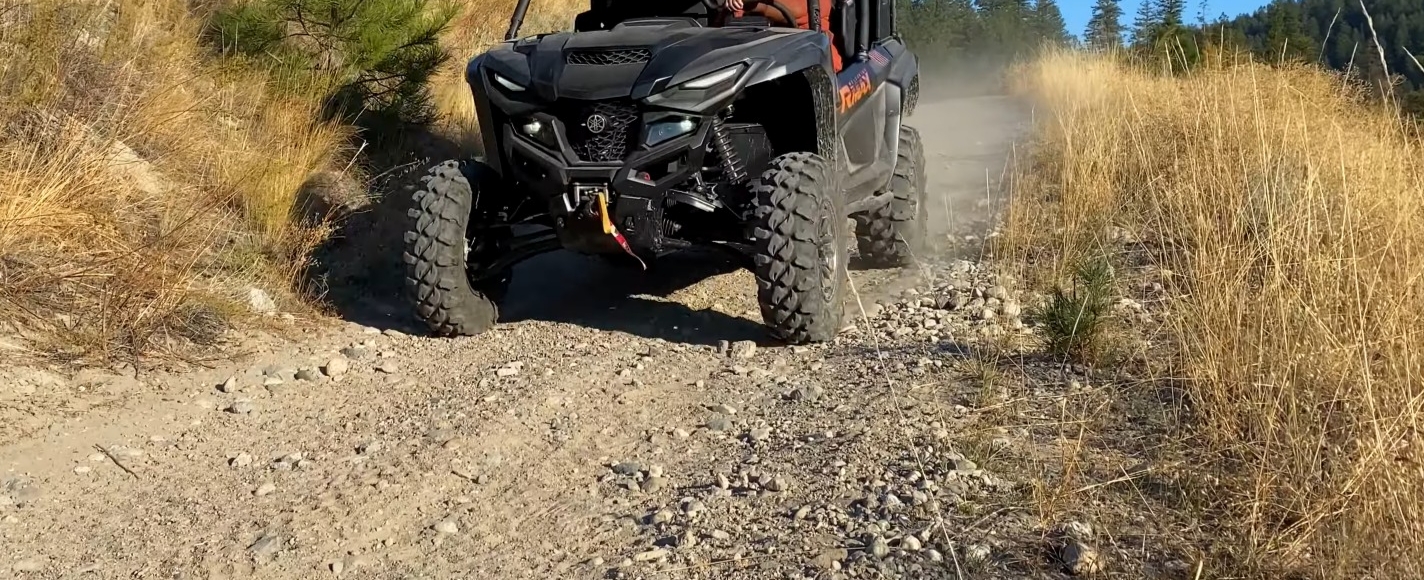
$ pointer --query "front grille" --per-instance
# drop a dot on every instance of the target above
(608, 57)
(601, 132)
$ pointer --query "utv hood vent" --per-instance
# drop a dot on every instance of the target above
(608, 56)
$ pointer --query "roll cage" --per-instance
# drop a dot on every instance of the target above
(855, 31)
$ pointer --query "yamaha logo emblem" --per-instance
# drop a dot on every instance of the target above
(596, 123)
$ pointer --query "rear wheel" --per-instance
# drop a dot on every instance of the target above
(888, 236)
(799, 249)
(446, 255)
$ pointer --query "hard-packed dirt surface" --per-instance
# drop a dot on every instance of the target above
(616, 426)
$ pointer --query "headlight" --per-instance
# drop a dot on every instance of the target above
(540, 131)
(713, 79)
(663, 131)
(506, 83)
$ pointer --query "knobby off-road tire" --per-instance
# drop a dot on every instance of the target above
(799, 257)
(437, 274)
(888, 236)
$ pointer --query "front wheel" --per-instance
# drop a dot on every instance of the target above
(799, 249)
(453, 293)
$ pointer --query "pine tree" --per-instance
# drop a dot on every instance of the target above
(1048, 23)
(1105, 27)
(1007, 27)
(1144, 26)
(1285, 36)
(941, 28)
(1171, 13)
(376, 56)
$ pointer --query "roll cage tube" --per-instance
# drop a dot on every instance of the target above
(521, 7)
(862, 33)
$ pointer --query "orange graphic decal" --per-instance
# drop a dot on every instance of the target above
(855, 90)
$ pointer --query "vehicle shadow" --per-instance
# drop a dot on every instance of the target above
(356, 272)
(587, 291)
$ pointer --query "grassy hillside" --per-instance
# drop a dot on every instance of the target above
(1282, 220)
(147, 186)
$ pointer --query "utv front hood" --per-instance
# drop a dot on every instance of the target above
(633, 60)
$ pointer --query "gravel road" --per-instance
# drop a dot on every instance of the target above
(615, 427)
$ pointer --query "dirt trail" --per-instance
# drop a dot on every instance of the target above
(607, 430)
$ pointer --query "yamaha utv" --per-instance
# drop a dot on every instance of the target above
(659, 125)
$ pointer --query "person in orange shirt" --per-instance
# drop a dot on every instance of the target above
(799, 9)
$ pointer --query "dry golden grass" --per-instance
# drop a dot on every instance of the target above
(1293, 217)
(142, 186)
(145, 186)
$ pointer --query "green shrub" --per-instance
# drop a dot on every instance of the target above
(1075, 321)
(371, 58)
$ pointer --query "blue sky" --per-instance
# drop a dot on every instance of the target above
(1077, 12)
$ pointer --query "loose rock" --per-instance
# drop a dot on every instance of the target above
(260, 302)
(267, 545)
(336, 367)
(1081, 559)
(743, 349)
(650, 555)
(810, 393)
(28, 565)
(356, 352)
(242, 407)
(723, 409)
(977, 553)
(719, 424)
(830, 559)
(879, 547)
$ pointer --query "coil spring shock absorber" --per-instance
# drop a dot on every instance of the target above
(731, 163)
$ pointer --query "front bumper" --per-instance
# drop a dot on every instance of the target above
(552, 170)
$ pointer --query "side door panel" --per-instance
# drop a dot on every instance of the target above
(869, 122)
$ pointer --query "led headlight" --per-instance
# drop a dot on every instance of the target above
(715, 78)
(537, 130)
(506, 83)
(663, 131)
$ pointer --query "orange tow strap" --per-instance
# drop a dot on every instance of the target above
(609, 228)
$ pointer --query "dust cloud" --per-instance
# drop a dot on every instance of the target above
(972, 132)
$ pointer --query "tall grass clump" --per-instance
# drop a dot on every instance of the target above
(1291, 212)
(144, 186)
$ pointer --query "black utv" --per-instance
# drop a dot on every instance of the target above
(657, 126)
